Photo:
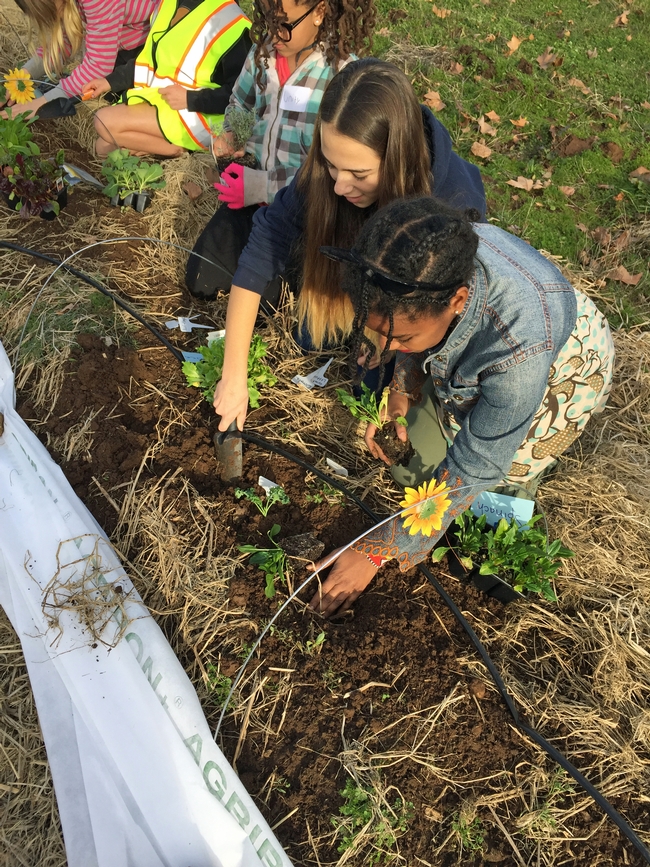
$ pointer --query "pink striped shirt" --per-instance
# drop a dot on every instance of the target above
(109, 25)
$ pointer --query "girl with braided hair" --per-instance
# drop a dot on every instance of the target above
(511, 359)
(373, 143)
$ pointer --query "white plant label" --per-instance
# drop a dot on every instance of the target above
(295, 98)
(267, 484)
(336, 468)
(216, 335)
(316, 378)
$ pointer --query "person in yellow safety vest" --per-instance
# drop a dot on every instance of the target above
(179, 83)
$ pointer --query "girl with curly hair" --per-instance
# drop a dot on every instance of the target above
(500, 365)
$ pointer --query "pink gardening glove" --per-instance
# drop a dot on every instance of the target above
(231, 187)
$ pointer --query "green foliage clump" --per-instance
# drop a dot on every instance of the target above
(470, 834)
(362, 819)
(126, 174)
(272, 561)
(207, 373)
(519, 555)
(274, 495)
(241, 122)
(366, 407)
(219, 685)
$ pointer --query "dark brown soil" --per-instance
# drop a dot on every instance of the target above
(396, 451)
(397, 653)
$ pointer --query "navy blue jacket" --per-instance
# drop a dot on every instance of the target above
(277, 226)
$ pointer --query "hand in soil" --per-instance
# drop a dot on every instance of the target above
(231, 402)
(348, 578)
(398, 405)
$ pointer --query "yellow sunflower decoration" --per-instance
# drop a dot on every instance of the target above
(429, 503)
(19, 86)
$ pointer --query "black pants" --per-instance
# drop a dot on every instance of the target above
(222, 242)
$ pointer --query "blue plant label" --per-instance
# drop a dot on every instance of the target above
(497, 506)
(192, 356)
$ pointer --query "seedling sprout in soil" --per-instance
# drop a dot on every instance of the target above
(521, 556)
(273, 495)
(367, 408)
(272, 561)
(207, 373)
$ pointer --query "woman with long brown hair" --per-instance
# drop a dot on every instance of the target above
(373, 144)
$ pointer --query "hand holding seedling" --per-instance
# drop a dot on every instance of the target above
(223, 145)
(348, 578)
(397, 406)
(175, 95)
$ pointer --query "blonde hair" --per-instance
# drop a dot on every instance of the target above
(55, 22)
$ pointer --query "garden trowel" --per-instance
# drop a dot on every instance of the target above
(228, 448)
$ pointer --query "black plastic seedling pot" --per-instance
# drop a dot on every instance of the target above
(495, 587)
(62, 201)
(137, 201)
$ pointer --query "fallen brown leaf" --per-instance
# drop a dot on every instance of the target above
(481, 150)
(485, 128)
(456, 69)
(432, 99)
(568, 191)
(619, 197)
(490, 37)
(582, 227)
(441, 13)
(592, 53)
(522, 183)
(622, 275)
(602, 236)
(623, 240)
(640, 174)
(613, 151)
(520, 123)
(193, 190)
(645, 104)
(621, 20)
(547, 58)
(494, 117)
(513, 44)
(572, 145)
(576, 82)
(383, 32)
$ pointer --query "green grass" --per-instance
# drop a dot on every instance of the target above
(514, 86)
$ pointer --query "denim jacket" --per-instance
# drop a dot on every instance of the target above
(490, 373)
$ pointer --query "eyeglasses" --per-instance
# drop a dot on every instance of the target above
(289, 28)
(387, 284)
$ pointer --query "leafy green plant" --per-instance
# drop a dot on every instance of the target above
(241, 122)
(366, 407)
(207, 373)
(378, 822)
(272, 561)
(519, 555)
(315, 646)
(126, 174)
(218, 685)
(470, 833)
(16, 137)
(274, 495)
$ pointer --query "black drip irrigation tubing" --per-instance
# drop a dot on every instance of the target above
(178, 355)
(539, 739)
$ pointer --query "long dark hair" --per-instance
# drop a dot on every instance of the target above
(421, 241)
(372, 102)
(346, 29)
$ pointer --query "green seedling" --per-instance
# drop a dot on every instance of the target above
(16, 137)
(519, 555)
(126, 174)
(218, 685)
(272, 561)
(322, 492)
(207, 373)
(315, 646)
(366, 407)
(364, 819)
(240, 122)
(281, 785)
(273, 495)
(470, 834)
